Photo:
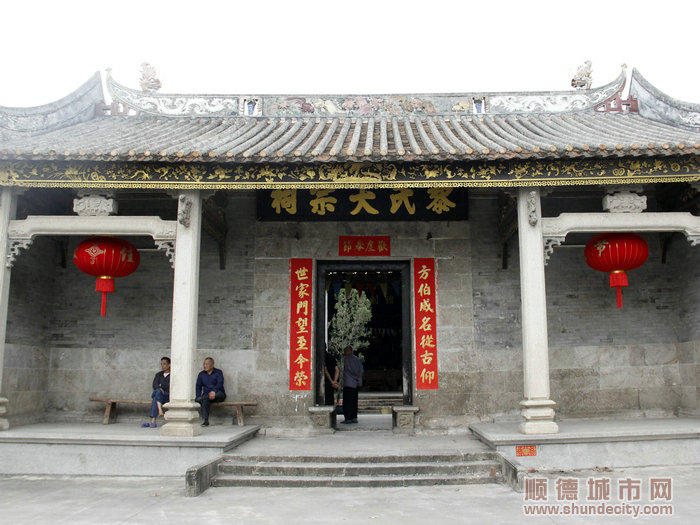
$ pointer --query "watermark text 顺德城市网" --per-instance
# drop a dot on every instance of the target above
(598, 496)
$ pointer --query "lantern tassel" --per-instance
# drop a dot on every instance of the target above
(618, 279)
(104, 284)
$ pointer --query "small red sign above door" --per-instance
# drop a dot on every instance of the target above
(364, 245)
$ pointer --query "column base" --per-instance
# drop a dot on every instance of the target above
(182, 419)
(538, 417)
(4, 423)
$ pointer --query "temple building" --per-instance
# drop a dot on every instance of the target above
(462, 217)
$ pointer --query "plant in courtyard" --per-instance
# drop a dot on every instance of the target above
(353, 312)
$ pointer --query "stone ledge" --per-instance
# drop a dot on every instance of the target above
(198, 478)
(323, 418)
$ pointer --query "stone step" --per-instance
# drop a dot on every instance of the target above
(389, 470)
(387, 458)
(378, 402)
(353, 469)
(372, 399)
(230, 480)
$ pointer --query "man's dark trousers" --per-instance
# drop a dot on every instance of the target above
(350, 403)
(205, 402)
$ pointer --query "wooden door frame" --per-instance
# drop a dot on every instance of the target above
(402, 266)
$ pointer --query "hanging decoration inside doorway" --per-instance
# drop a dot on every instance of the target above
(425, 303)
(300, 290)
(616, 253)
(106, 258)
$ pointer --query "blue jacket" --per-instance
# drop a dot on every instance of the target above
(352, 371)
(213, 382)
(161, 381)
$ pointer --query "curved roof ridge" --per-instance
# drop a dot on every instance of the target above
(75, 107)
(657, 105)
(353, 105)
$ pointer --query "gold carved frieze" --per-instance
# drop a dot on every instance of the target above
(538, 172)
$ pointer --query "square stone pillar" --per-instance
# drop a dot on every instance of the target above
(8, 205)
(537, 409)
(182, 414)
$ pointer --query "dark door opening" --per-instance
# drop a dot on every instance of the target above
(387, 361)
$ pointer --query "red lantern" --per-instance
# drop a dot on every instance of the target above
(616, 253)
(106, 258)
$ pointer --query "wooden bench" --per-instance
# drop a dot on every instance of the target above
(238, 405)
(111, 406)
(112, 402)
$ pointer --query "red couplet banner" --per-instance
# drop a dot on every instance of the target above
(300, 294)
(424, 300)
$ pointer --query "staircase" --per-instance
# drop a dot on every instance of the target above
(378, 402)
(359, 471)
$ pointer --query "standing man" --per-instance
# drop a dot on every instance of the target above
(210, 388)
(352, 381)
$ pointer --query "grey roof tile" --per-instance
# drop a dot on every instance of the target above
(421, 128)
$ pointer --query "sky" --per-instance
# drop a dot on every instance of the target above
(48, 49)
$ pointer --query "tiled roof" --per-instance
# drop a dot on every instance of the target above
(433, 129)
(355, 139)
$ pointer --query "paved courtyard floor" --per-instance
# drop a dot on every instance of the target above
(146, 500)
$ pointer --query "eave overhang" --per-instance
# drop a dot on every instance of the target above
(511, 173)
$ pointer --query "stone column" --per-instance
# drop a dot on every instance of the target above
(182, 411)
(537, 409)
(8, 204)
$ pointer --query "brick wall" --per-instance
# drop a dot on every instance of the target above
(642, 358)
(27, 355)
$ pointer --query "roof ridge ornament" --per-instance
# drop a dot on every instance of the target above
(149, 81)
(582, 78)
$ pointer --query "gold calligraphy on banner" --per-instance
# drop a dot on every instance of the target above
(425, 295)
(300, 291)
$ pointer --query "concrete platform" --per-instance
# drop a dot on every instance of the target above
(120, 449)
(137, 501)
(590, 443)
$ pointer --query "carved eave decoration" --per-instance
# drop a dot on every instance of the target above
(513, 173)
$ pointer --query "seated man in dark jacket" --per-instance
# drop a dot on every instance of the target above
(161, 391)
(210, 388)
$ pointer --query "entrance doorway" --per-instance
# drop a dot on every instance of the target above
(387, 360)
